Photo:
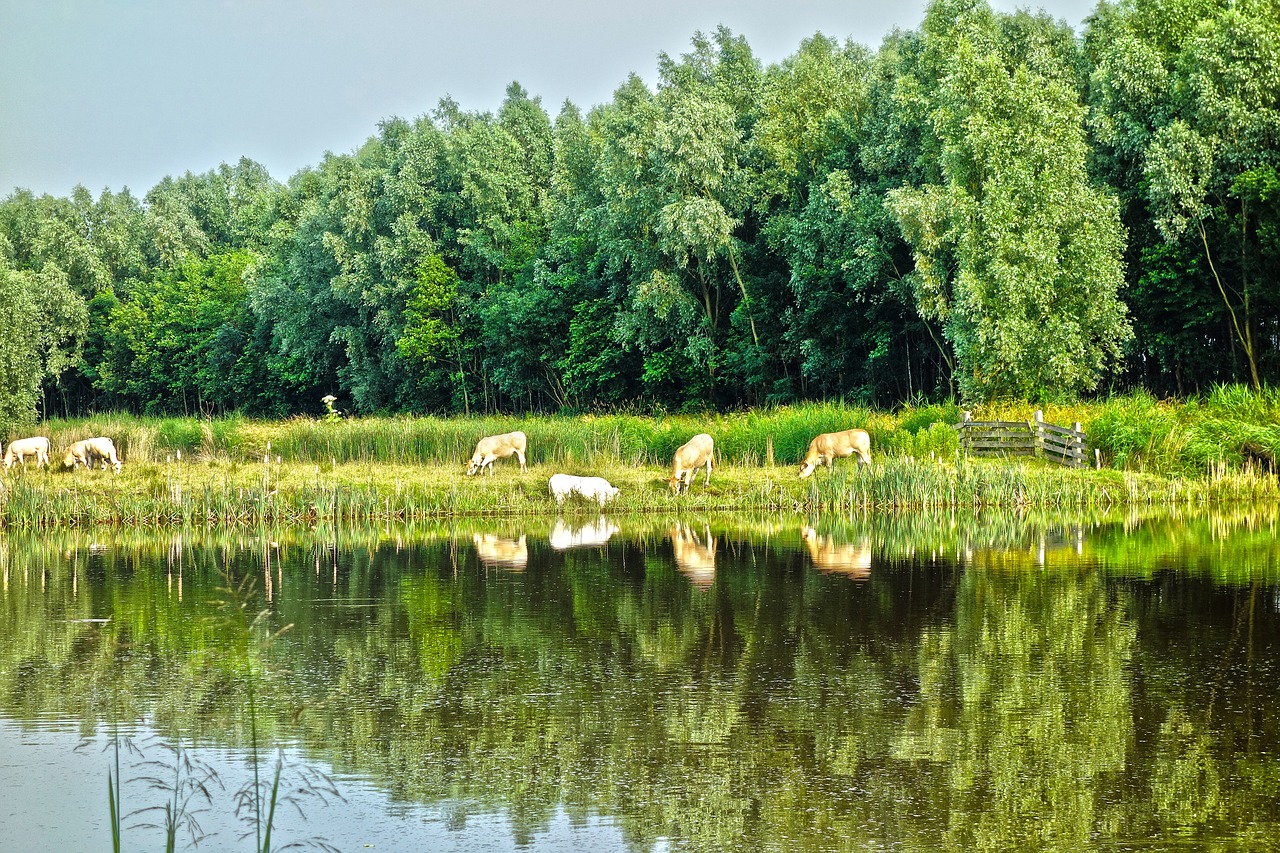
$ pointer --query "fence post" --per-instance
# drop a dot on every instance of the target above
(1077, 446)
(965, 420)
(768, 450)
(1038, 428)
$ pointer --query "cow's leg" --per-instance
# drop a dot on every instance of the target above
(520, 456)
(708, 472)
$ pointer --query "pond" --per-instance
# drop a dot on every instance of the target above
(687, 683)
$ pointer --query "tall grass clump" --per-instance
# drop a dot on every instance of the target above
(1232, 424)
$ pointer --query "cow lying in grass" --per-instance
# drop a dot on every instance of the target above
(592, 488)
(692, 455)
(22, 448)
(830, 446)
(494, 447)
(90, 452)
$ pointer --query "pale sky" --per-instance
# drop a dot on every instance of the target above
(115, 93)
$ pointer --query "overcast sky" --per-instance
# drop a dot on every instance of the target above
(115, 93)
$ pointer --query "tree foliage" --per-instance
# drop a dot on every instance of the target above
(985, 206)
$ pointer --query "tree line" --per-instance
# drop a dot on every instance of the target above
(987, 206)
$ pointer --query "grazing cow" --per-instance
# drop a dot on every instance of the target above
(91, 451)
(495, 550)
(495, 447)
(695, 556)
(591, 488)
(692, 455)
(844, 558)
(22, 448)
(830, 446)
(593, 535)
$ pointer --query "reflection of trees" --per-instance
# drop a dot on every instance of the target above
(1025, 699)
(1007, 701)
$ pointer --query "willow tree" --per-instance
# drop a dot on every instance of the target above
(1217, 160)
(1018, 254)
(19, 368)
(675, 193)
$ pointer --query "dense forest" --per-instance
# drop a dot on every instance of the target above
(990, 206)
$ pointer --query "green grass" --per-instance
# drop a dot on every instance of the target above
(182, 471)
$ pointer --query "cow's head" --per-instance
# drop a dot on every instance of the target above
(473, 466)
(806, 469)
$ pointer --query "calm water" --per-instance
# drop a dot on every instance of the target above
(698, 684)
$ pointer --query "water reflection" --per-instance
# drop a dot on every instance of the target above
(501, 551)
(993, 682)
(832, 553)
(590, 535)
(695, 553)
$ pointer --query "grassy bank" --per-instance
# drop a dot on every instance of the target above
(234, 471)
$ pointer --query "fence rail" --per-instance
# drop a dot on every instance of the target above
(1032, 437)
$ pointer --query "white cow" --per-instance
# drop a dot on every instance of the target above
(494, 447)
(592, 488)
(22, 448)
(90, 452)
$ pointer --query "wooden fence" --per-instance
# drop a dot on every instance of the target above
(1024, 438)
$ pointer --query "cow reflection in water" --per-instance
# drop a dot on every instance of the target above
(593, 535)
(838, 556)
(500, 551)
(695, 555)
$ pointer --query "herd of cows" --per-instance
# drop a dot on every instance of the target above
(692, 456)
(695, 552)
(88, 452)
(695, 454)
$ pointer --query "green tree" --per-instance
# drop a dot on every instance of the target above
(430, 335)
(1184, 110)
(675, 194)
(167, 345)
(19, 348)
(1018, 254)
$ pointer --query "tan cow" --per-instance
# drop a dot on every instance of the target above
(90, 452)
(838, 557)
(22, 448)
(695, 555)
(830, 446)
(495, 550)
(495, 447)
(692, 455)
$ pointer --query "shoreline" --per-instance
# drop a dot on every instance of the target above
(221, 492)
